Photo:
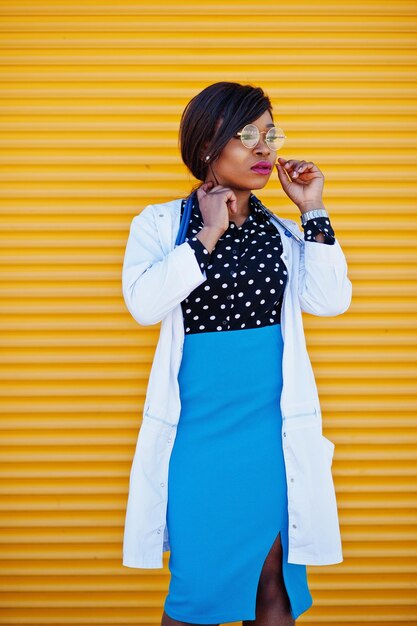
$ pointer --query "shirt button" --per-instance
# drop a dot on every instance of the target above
(285, 434)
(294, 526)
(234, 251)
(162, 484)
(159, 531)
(224, 322)
(292, 480)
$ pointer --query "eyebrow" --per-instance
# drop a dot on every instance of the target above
(269, 125)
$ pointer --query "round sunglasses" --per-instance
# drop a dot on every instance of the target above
(250, 136)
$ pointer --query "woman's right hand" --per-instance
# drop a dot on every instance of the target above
(215, 202)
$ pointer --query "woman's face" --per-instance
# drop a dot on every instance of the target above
(233, 166)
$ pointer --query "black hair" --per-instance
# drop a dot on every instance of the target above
(213, 117)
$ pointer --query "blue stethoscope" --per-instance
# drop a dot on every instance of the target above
(185, 220)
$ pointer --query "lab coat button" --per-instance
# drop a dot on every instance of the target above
(285, 434)
(294, 526)
(159, 531)
(292, 480)
(162, 484)
(161, 215)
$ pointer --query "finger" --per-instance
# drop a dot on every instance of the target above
(307, 169)
(283, 176)
(202, 190)
(231, 198)
(288, 167)
(282, 173)
(297, 169)
(205, 185)
(290, 164)
(307, 166)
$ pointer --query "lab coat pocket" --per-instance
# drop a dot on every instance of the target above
(301, 415)
(312, 503)
(324, 512)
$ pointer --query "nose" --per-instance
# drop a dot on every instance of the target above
(262, 147)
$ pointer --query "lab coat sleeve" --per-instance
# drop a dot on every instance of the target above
(155, 282)
(324, 288)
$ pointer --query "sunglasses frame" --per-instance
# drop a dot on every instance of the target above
(273, 128)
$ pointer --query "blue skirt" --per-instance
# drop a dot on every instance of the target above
(227, 489)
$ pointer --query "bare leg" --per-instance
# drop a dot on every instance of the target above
(272, 602)
(168, 621)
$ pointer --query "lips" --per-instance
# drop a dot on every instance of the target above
(262, 167)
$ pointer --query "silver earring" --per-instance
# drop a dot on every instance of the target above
(207, 157)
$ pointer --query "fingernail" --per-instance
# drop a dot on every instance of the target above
(294, 174)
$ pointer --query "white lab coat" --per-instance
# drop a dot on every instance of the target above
(157, 276)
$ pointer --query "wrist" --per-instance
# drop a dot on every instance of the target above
(212, 230)
(312, 214)
(209, 236)
(310, 205)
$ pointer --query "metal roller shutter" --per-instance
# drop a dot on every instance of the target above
(92, 94)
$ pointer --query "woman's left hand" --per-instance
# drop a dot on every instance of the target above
(305, 185)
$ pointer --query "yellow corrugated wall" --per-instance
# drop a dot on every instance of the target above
(92, 93)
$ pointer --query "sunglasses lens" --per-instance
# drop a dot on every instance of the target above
(250, 135)
(275, 138)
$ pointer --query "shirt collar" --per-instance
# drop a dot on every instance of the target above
(257, 209)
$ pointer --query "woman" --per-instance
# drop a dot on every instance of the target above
(231, 473)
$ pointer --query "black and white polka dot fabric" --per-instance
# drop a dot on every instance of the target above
(319, 225)
(246, 276)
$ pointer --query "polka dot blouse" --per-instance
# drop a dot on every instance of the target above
(246, 276)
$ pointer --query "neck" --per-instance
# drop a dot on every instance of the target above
(242, 196)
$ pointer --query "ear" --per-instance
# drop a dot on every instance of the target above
(203, 152)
